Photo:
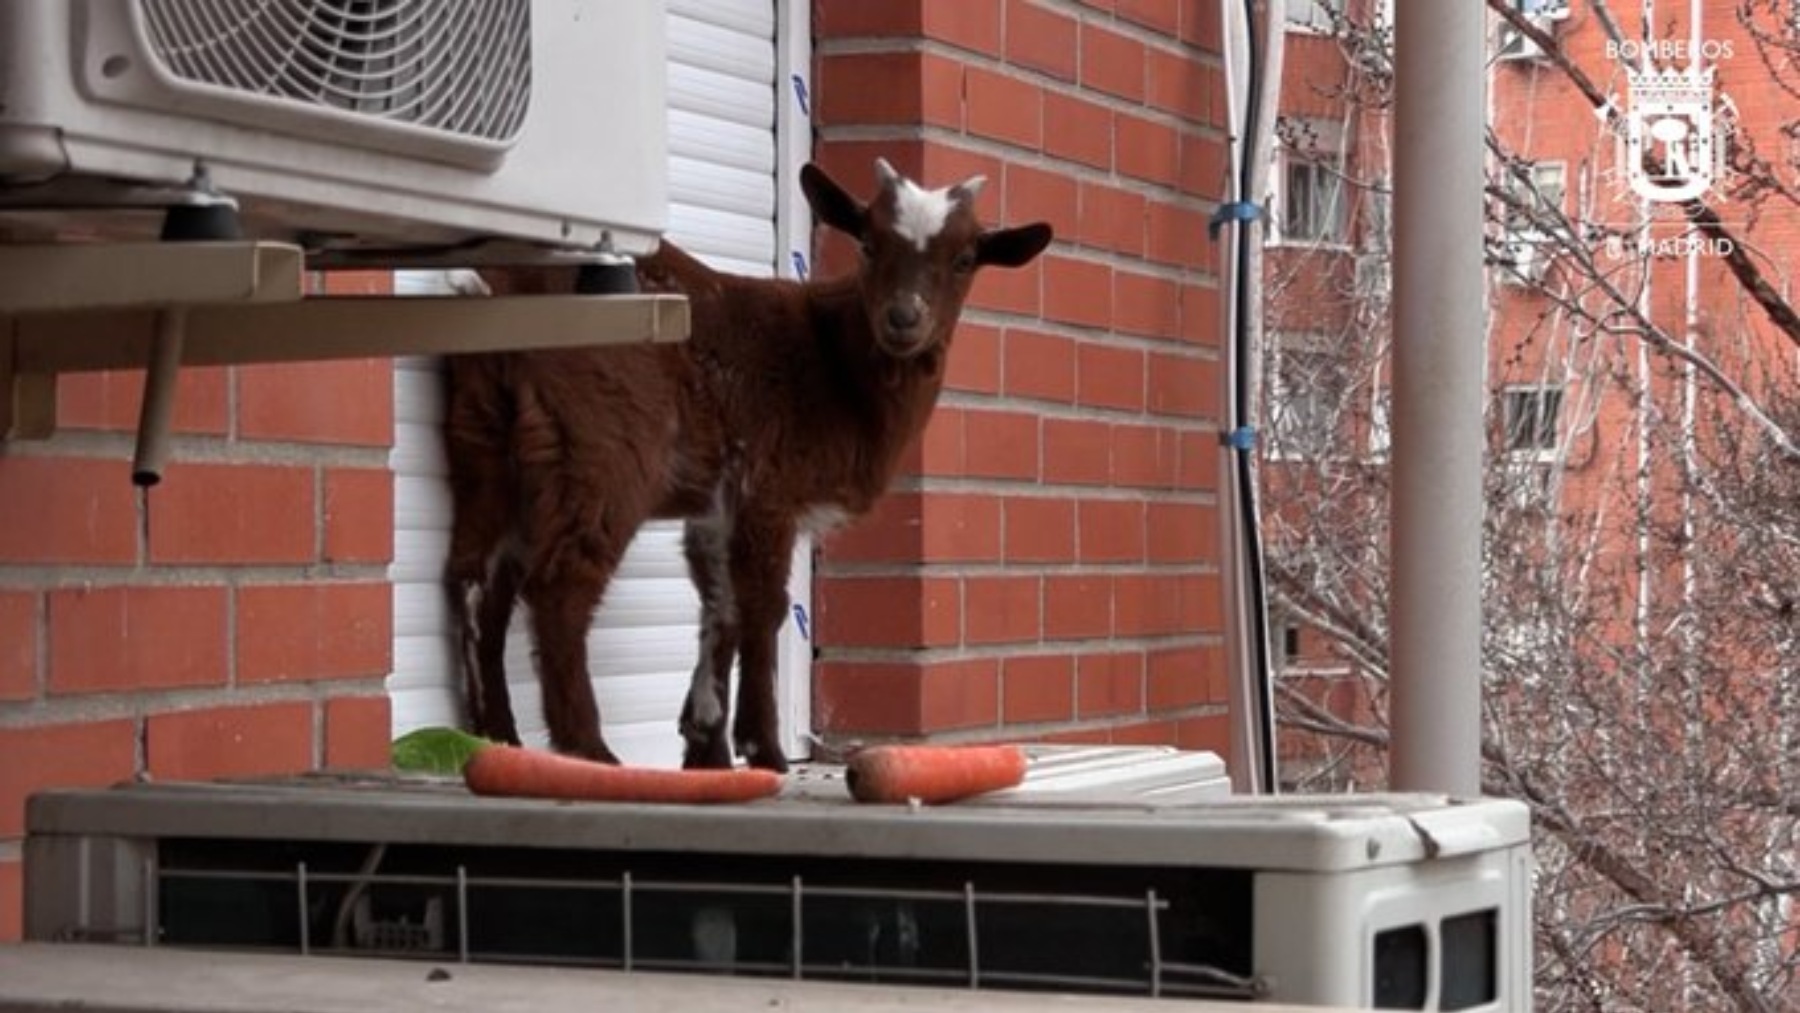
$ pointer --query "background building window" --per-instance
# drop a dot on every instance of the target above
(1313, 205)
(1310, 201)
(1531, 220)
(1306, 396)
(1535, 198)
(1310, 15)
(1530, 416)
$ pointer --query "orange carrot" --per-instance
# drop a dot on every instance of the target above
(932, 774)
(532, 773)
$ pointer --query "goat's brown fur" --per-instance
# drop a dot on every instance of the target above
(790, 399)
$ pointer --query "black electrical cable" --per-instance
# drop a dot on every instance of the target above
(1255, 580)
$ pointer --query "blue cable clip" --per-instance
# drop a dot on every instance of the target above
(1234, 211)
(1241, 438)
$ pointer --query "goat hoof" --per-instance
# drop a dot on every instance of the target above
(765, 757)
(595, 751)
(506, 735)
(707, 754)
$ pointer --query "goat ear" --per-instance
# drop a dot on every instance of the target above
(829, 203)
(1013, 247)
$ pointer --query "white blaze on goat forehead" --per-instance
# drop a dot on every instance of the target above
(920, 214)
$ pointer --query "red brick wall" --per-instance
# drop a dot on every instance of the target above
(1048, 566)
(241, 624)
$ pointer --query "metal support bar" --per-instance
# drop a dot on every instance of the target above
(462, 914)
(68, 308)
(91, 276)
(301, 902)
(626, 941)
(152, 913)
(345, 328)
(1151, 910)
(796, 943)
(974, 930)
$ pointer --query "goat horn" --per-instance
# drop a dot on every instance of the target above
(968, 188)
(889, 178)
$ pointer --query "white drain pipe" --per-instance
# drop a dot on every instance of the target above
(1252, 134)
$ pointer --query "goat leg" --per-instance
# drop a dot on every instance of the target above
(760, 559)
(481, 597)
(481, 579)
(703, 714)
(561, 610)
(705, 545)
(486, 656)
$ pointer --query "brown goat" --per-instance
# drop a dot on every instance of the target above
(787, 409)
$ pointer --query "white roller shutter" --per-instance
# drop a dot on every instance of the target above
(730, 81)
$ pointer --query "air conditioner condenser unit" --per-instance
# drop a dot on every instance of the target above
(339, 124)
(1112, 870)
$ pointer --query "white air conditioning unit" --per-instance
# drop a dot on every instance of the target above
(1112, 870)
(339, 123)
(1523, 260)
(1516, 45)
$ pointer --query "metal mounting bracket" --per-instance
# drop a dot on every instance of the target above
(67, 308)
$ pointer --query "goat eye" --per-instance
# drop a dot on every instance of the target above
(964, 262)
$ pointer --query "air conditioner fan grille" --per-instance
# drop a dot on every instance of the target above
(458, 66)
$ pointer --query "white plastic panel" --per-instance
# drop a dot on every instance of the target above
(722, 207)
(717, 142)
(712, 235)
(713, 187)
(752, 17)
(698, 41)
(717, 95)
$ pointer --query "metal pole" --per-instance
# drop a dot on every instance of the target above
(1439, 364)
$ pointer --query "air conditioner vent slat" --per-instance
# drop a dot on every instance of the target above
(1077, 927)
(460, 67)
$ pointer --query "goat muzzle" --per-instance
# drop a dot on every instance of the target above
(905, 326)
